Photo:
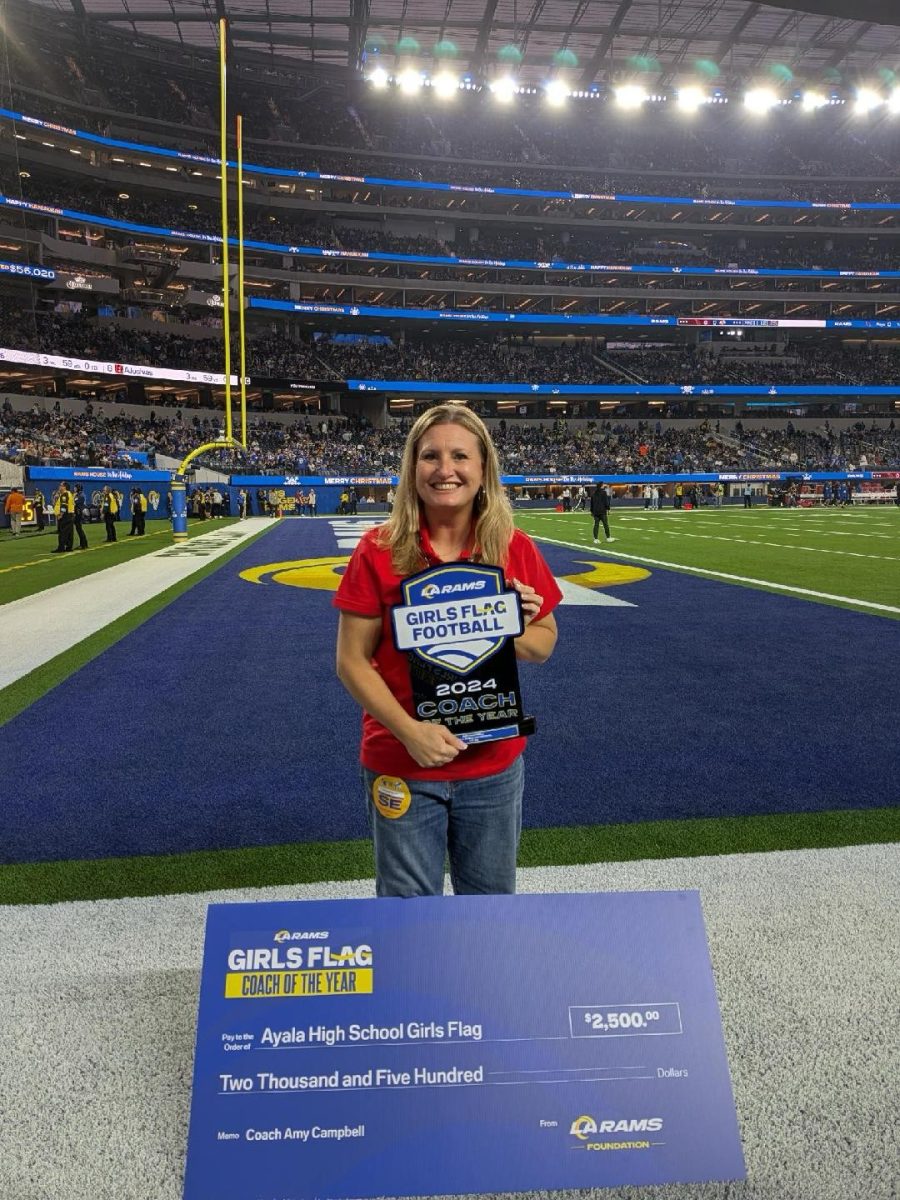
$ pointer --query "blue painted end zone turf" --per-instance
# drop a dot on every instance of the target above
(219, 722)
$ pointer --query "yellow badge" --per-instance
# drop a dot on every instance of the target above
(391, 796)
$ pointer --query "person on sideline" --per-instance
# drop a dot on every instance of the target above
(38, 503)
(456, 798)
(600, 506)
(64, 508)
(109, 509)
(14, 507)
(78, 516)
(138, 512)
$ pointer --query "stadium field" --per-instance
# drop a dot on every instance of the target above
(844, 556)
(686, 712)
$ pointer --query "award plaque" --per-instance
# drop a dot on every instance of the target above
(456, 626)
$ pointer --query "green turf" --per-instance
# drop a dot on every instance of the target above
(19, 695)
(852, 554)
(314, 862)
(27, 564)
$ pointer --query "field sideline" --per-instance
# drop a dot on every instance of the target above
(27, 564)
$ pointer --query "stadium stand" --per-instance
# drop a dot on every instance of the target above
(132, 295)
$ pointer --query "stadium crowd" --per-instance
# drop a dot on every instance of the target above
(352, 445)
(275, 354)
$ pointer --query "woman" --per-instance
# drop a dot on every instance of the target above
(428, 792)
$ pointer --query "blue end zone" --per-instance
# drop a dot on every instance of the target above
(220, 723)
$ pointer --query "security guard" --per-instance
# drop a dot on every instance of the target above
(64, 508)
(109, 507)
(138, 512)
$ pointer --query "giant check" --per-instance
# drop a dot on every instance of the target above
(470, 1044)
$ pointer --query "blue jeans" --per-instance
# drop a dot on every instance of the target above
(477, 822)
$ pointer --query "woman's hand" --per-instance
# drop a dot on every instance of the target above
(531, 601)
(432, 745)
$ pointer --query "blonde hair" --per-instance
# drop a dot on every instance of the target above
(494, 524)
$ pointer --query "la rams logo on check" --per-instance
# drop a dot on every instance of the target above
(456, 616)
(588, 1130)
(583, 1127)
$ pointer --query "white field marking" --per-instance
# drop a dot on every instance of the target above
(781, 546)
(711, 537)
(831, 532)
(763, 583)
(575, 593)
(349, 530)
(36, 628)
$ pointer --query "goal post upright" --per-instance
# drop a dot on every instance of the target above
(179, 485)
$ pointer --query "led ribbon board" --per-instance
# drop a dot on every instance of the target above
(27, 272)
(488, 317)
(449, 260)
(415, 386)
(477, 1044)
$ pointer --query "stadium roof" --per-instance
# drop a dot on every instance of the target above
(589, 40)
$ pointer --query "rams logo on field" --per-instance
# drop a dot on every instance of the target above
(322, 574)
(606, 574)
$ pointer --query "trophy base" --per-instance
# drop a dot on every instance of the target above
(524, 728)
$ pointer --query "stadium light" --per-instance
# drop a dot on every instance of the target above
(894, 102)
(445, 84)
(690, 98)
(503, 89)
(760, 100)
(409, 81)
(812, 101)
(556, 93)
(866, 101)
(379, 78)
(630, 96)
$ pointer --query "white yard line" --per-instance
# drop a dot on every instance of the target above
(707, 537)
(763, 583)
(37, 628)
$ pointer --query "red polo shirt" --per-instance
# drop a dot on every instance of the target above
(370, 588)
